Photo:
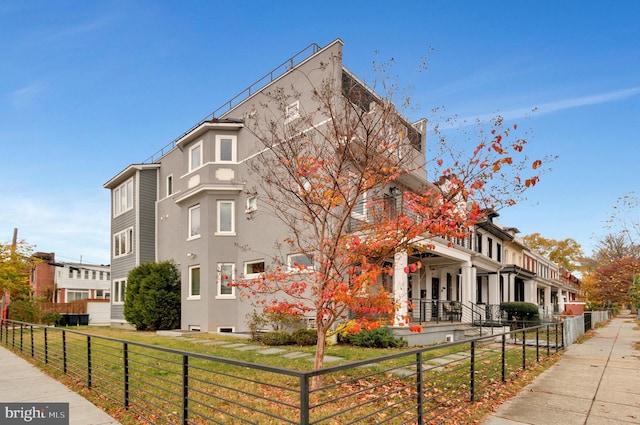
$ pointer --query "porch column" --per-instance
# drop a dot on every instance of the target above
(493, 297)
(530, 294)
(561, 300)
(400, 284)
(547, 300)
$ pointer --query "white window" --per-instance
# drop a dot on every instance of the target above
(226, 222)
(252, 203)
(195, 156)
(295, 261)
(194, 282)
(170, 185)
(75, 294)
(123, 198)
(226, 272)
(194, 222)
(253, 268)
(122, 243)
(360, 208)
(226, 148)
(119, 291)
(293, 111)
(101, 294)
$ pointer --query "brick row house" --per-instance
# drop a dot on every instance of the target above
(191, 204)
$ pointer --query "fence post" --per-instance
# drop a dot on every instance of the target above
(537, 344)
(304, 399)
(185, 389)
(88, 361)
(504, 357)
(13, 337)
(21, 337)
(472, 372)
(64, 352)
(548, 342)
(31, 328)
(126, 375)
(46, 347)
(419, 385)
(524, 349)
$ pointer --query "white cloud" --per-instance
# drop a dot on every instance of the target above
(27, 96)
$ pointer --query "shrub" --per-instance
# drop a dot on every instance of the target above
(521, 311)
(376, 338)
(276, 338)
(51, 319)
(152, 299)
(305, 337)
(256, 322)
(23, 309)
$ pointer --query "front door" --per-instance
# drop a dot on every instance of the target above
(435, 296)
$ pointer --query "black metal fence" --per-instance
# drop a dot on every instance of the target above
(163, 385)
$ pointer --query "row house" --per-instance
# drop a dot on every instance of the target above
(192, 202)
(63, 282)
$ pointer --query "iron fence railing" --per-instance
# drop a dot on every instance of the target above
(163, 385)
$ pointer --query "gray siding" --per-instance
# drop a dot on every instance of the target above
(147, 216)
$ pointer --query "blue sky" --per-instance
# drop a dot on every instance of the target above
(89, 87)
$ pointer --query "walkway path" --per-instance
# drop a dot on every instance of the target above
(594, 383)
(21, 382)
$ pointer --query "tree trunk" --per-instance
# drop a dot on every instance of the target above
(318, 363)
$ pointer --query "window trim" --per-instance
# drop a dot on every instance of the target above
(117, 242)
(290, 266)
(118, 207)
(198, 145)
(252, 204)
(231, 232)
(191, 295)
(234, 148)
(119, 291)
(253, 275)
(169, 185)
(219, 294)
(292, 111)
(190, 234)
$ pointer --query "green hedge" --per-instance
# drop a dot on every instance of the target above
(376, 338)
(521, 311)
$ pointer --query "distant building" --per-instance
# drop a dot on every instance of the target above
(62, 282)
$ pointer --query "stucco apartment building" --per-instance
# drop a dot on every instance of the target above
(191, 204)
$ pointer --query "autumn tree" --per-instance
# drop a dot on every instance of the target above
(345, 174)
(16, 263)
(613, 282)
(566, 253)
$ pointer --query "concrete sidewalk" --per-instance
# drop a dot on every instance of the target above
(21, 382)
(595, 383)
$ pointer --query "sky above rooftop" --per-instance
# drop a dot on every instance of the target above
(87, 88)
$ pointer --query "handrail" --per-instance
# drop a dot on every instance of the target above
(262, 82)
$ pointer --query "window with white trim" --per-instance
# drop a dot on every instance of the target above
(170, 185)
(194, 222)
(123, 198)
(253, 268)
(102, 294)
(226, 274)
(295, 261)
(195, 156)
(226, 221)
(76, 294)
(360, 208)
(122, 243)
(194, 282)
(292, 111)
(252, 204)
(226, 148)
(119, 291)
